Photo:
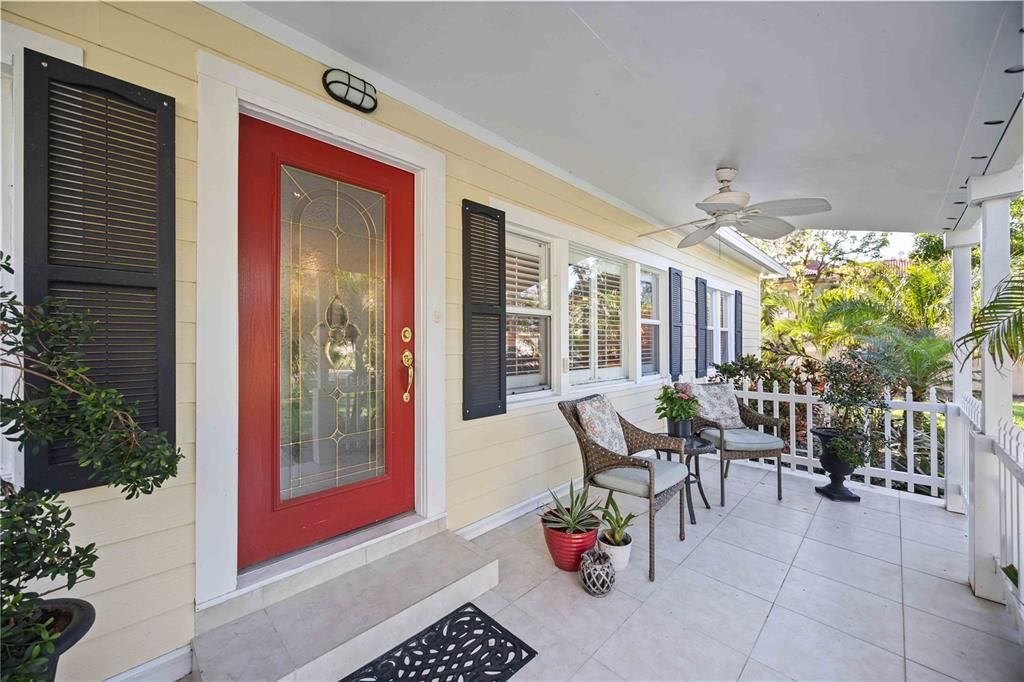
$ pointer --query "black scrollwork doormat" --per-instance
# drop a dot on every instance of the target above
(466, 645)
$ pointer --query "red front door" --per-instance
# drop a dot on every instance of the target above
(326, 336)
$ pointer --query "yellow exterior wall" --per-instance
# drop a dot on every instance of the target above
(145, 584)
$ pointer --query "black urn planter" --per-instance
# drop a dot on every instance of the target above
(838, 469)
(79, 614)
(680, 429)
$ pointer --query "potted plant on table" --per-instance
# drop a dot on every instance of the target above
(854, 389)
(615, 540)
(677, 406)
(54, 400)
(570, 530)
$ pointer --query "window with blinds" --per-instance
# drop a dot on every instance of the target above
(650, 325)
(99, 235)
(528, 315)
(720, 326)
(596, 335)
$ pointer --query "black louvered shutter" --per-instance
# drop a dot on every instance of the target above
(701, 291)
(483, 310)
(675, 323)
(738, 303)
(99, 234)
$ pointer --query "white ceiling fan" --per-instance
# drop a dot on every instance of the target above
(728, 207)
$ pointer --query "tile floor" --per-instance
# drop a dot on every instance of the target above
(763, 590)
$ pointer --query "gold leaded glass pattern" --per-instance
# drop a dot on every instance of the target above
(332, 333)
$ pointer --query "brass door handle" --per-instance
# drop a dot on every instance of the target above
(407, 362)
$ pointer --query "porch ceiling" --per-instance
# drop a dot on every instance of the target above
(877, 106)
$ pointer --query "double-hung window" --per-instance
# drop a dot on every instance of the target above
(650, 329)
(528, 312)
(597, 344)
(720, 326)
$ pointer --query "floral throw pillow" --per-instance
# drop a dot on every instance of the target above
(718, 404)
(599, 419)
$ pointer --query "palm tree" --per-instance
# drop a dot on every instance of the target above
(998, 326)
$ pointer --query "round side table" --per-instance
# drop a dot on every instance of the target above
(694, 446)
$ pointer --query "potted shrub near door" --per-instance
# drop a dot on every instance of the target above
(614, 539)
(854, 389)
(677, 406)
(570, 530)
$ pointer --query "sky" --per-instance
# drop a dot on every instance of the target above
(900, 244)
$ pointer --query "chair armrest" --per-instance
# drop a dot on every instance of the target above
(700, 423)
(597, 458)
(638, 440)
(752, 418)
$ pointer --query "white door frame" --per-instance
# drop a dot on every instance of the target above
(225, 90)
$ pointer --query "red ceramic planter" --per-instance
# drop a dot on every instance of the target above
(567, 548)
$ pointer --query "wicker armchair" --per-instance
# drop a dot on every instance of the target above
(598, 460)
(747, 443)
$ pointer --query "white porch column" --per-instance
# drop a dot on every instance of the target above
(959, 244)
(993, 193)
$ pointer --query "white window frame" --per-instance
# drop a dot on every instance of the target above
(716, 353)
(656, 279)
(595, 375)
(524, 242)
(560, 236)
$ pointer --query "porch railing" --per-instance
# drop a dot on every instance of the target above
(915, 430)
(1008, 447)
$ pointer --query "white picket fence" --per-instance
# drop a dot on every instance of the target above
(802, 451)
(1008, 446)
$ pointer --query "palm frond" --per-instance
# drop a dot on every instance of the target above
(998, 326)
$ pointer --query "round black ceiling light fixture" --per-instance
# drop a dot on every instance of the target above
(351, 90)
(980, 157)
(995, 122)
(1014, 69)
(952, 218)
(959, 203)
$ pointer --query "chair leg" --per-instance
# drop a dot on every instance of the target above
(727, 468)
(721, 481)
(682, 511)
(778, 473)
(650, 558)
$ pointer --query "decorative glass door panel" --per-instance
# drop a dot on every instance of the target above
(326, 340)
(333, 304)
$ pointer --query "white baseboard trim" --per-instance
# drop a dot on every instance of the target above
(489, 523)
(170, 667)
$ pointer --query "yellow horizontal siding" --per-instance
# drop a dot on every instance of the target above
(492, 463)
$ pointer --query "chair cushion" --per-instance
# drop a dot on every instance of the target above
(601, 422)
(717, 403)
(743, 440)
(635, 481)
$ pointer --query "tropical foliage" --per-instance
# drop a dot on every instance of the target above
(54, 400)
(854, 385)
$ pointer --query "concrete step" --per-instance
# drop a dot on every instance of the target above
(329, 630)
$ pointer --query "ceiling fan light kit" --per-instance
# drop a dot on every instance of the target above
(729, 208)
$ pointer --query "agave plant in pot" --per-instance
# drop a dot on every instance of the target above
(570, 530)
(677, 406)
(854, 390)
(614, 539)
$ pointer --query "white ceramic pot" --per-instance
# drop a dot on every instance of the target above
(619, 554)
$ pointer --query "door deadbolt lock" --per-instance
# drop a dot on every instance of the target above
(406, 334)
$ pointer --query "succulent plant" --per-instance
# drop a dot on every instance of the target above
(579, 516)
(617, 523)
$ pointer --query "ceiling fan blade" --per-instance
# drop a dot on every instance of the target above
(718, 207)
(787, 207)
(764, 227)
(697, 236)
(673, 227)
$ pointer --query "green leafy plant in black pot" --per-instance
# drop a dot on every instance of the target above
(854, 389)
(53, 400)
(677, 406)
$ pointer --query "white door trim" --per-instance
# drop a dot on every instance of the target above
(225, 90)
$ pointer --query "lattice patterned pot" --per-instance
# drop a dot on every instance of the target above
(597, 575)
